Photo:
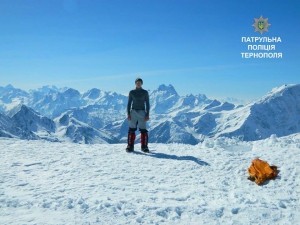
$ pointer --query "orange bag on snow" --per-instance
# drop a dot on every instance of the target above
(260, 171)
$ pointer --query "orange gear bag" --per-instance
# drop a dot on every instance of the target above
(260, 171)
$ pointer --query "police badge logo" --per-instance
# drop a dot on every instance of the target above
(261, 25)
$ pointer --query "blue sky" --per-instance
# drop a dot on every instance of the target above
(194, 45)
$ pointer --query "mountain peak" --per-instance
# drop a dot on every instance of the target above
(28, 119)
(163, 87)
(49, 87)
(70, 92)
(284, 87)
(170, 89)
(9, 86)
(281, 91)
(21, 108)
(93, 93)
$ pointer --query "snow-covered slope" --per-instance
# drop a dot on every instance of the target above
(71, 129)
(26, 118)
(9, 128)
(65, 183)
(5, 126)
(276, 113)
(170, 132)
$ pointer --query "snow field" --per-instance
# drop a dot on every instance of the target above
(66, 183)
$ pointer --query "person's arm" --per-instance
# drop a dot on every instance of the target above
(147, 106)
(129, 105)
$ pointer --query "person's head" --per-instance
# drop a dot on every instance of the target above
(138, 82)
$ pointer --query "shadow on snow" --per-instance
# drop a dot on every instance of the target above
(173, 157)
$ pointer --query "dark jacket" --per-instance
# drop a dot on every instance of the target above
(137, 99)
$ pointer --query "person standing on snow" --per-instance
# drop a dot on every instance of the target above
(138, 114)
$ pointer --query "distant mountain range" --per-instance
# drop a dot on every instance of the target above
(96, 116)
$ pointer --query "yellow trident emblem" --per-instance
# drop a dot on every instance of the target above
(261, 24)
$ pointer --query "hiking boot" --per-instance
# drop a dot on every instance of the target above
(130, 148)
(144, 141)
(145, 149)
(130, 141)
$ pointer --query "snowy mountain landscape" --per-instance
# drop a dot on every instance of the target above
(96, 116)
(63, 159)
(220, 144)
